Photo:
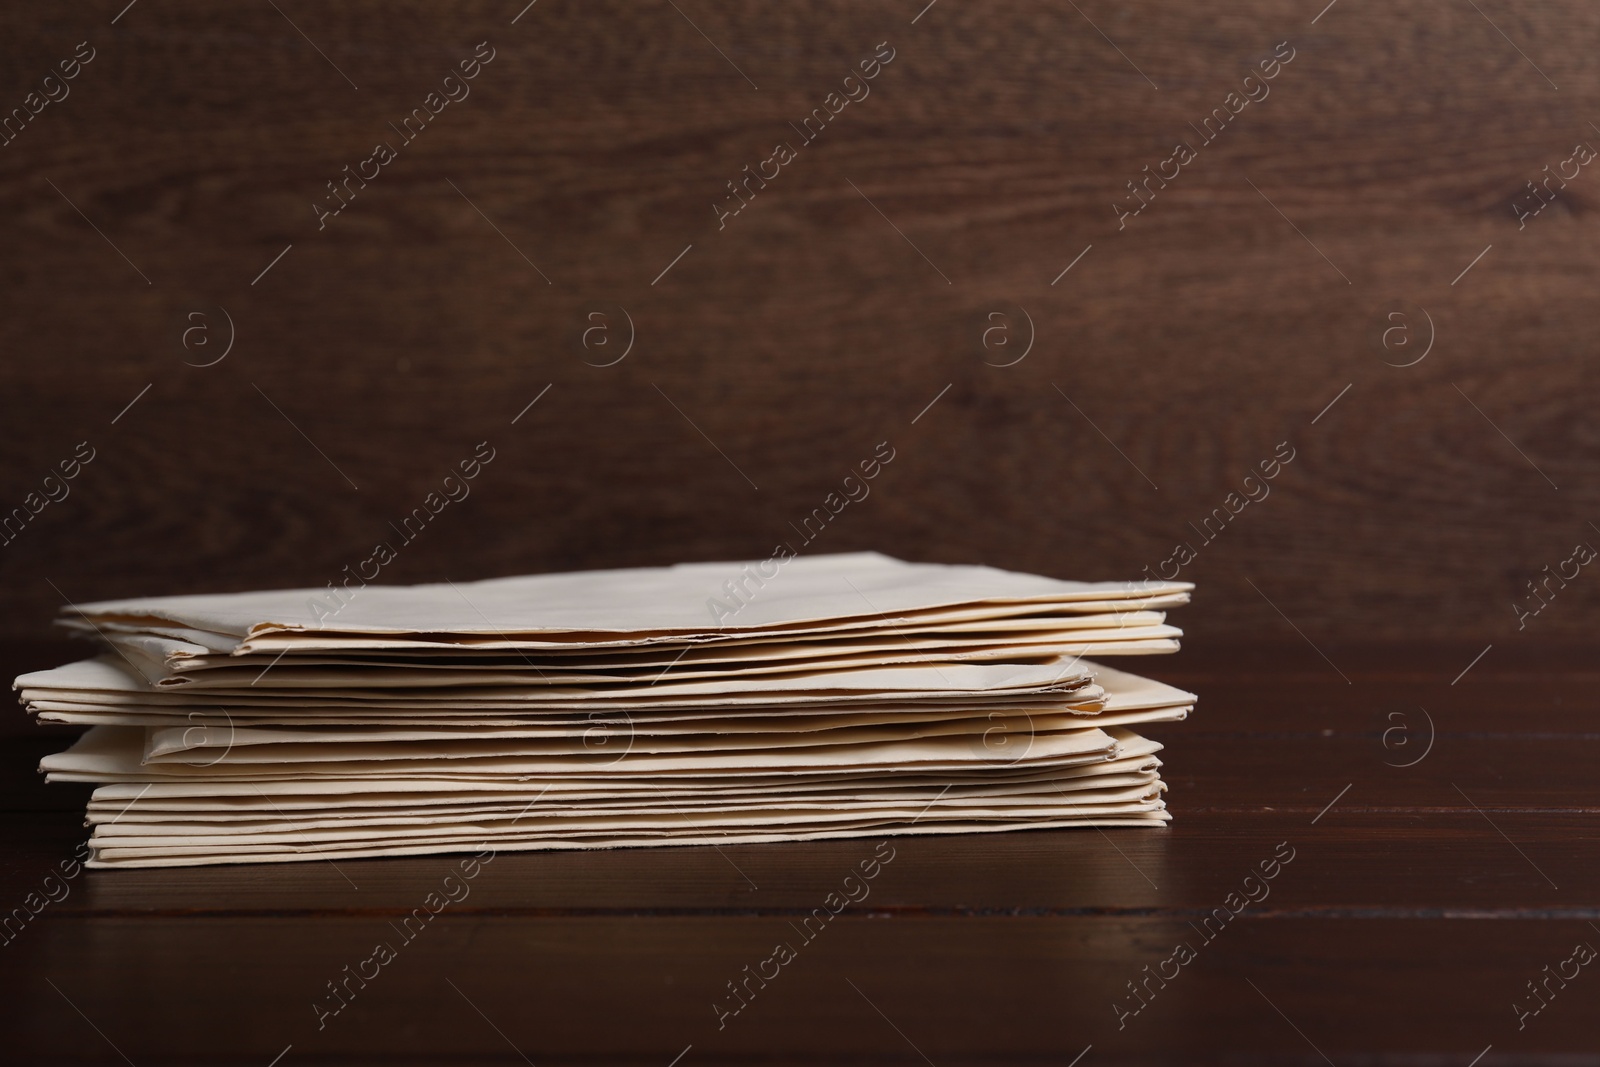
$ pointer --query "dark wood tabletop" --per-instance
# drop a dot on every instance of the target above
(1368, 863)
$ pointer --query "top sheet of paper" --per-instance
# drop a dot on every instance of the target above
(688, 600)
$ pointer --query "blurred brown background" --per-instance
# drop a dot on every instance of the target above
(780, 350)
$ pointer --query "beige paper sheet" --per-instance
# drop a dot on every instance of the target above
(109, 753)
(134, 857)
(664, 601)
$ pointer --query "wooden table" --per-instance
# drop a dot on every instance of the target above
(1418, 904)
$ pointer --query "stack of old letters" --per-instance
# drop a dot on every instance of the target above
(793, 698)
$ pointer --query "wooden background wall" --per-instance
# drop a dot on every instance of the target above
(173, 190)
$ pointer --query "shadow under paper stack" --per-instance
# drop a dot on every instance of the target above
(794, 698)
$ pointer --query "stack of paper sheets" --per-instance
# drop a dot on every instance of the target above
(823, 696)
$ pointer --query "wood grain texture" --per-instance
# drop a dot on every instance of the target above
(1216, 325)
(1419, 903)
